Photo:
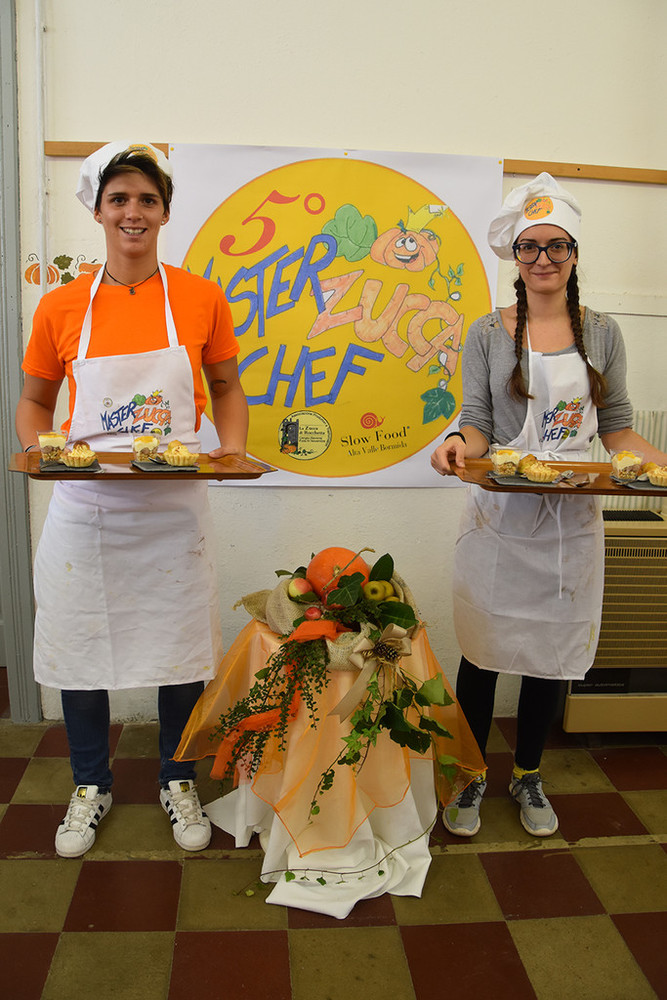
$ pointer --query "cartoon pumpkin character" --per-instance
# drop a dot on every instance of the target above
(155, 397)
(412, 245)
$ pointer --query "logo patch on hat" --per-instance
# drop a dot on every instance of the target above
(140, 147)
(538, 208)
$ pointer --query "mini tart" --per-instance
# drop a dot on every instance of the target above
(178, 454)
(525, 462)
(537, 472)
(145, 447)
(657, 476)
(51, 445)
(79, 456)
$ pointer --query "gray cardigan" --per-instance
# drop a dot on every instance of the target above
(488, 361)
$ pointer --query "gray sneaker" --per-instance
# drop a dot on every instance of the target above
(537, 815)
(461, 816)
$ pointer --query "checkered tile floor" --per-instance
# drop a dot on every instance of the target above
(581, 915)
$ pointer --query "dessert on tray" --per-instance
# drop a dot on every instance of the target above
(144, 447)
(536, 471)
(505, 461)
(177, 454)
(626, 465)
(78, 455)
(657, 474)
(51, 445)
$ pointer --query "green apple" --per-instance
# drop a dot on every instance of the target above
(373, 590)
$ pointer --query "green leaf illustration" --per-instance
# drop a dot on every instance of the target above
(354, 233)
(437, 403)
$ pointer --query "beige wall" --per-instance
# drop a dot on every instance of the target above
(574, 81)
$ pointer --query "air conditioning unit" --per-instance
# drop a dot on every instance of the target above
(626, 688)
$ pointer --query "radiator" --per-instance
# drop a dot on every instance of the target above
(633, 632)
(634, 609)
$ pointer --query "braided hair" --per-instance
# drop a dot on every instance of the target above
(517, 385)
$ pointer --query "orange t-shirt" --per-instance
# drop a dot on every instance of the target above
(131, 324)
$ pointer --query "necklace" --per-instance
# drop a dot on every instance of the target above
(134, 284)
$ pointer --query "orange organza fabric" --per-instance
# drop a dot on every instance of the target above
(287, 778)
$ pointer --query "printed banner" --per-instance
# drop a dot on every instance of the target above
(352, 278)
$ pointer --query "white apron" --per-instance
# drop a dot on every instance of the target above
(124, 582)
(529, 568)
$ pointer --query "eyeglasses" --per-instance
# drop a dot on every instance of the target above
(558, 252)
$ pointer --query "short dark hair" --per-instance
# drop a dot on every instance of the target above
(135, 162)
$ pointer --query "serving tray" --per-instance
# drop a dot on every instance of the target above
(118, 465)
(599, 482)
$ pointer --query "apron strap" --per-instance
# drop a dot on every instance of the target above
(86, 327)
(554, 504)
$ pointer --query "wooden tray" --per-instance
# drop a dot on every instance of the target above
(118, 466)
(600, 473)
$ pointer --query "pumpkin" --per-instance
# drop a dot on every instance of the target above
(33, 274)
(86, 268)
(327, 565)
(406, 248)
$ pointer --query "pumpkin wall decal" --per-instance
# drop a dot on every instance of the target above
(412, 245)
(33, 272)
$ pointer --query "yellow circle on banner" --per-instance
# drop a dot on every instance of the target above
(351, 286)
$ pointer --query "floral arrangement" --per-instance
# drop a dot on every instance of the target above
(337, 607)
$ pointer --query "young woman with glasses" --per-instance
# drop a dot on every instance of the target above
(542, 376)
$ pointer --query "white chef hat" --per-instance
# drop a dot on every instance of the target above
(97, 162)
(540, 201)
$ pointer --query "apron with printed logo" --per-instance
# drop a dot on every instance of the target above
(125, 583)
(529, 568)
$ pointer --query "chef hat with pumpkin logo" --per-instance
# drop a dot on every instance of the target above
(541, 201)
(94, 165)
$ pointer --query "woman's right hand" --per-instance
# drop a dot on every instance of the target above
(450, 454)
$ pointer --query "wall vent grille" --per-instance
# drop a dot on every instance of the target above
(634, 609)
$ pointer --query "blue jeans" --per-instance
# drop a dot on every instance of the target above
(87, 724)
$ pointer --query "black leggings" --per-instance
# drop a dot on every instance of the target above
(538, 704)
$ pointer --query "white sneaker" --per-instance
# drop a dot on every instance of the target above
(190, 824)
(76, 833)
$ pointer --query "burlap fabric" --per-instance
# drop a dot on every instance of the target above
(277, 610)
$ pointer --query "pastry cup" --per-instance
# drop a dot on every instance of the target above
(657, 476)
(180, 458)
(525, 462)
(539, 473)
(78, 461)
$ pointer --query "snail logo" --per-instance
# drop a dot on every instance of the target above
(349, 284)
(370, 420)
